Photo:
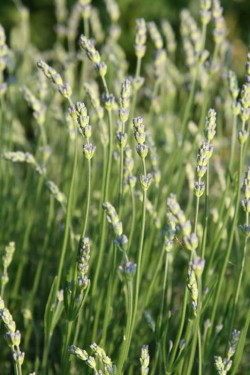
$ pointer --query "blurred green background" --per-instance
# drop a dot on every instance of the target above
(42, 19)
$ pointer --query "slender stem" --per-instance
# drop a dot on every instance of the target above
(232, 152)
(65, 356)
(163, 297)
(179, 332)
(68, 213)
(106, 191)
(238, 287)
(229, 248)
(204, 237)
(138, 275)
(196, 213)
(108, 303)
(132, 228)
(120, 181)
(241, 344)
(195, 333)
(88, 200)
(126, 342)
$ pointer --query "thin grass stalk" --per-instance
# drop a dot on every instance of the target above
(205, 225)
(134, 95)
(106, 192)
(195, 338)
(110, 290)
(39, 269)
(68, 212)
(126, 342)
(179, 333)
(25, 249)
(229, 248)
(132, 227)
(138, 278)
(239, 281)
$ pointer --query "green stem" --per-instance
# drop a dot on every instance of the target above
(68, 213)
(138, 275)
(232, 152)
(65, 356)
(195, 334)
(106, 190)
(88, 200)
(163, 297)
(132, 228)
(179, 332)
(229, 248)
(238, 287)
(108, 304)
(204, 237)
(125, 344)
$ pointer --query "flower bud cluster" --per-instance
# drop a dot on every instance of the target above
(100, 361)
(140, 137)
(244, 101)
(79, 114)
(129, 180)
(169, 35)
(79, 353)
(140, 38)
(205, 11)
(210, 125)
(191, 59)
(63, 88)
(86, 8)
(123, 113)
(224, 365)
(233, 85)
(219, 31)
(37, 107)
(197, 265)
(193, 288)
(245, 203)
(88, 46)
(144, 360)
(23, 157)
(83, 263)
(155, 35)
(248, 67)
(113, 10)
(128, 270)
(7, 259)
(137, 83)
(191, 32)
(156, 173)
(12, 336)
(56, 193)
(183, 225)
(204, 153)
(109, 101)
(83, 356)
(125, 98)
(169, 234)
(115, 223)
(100, 354)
